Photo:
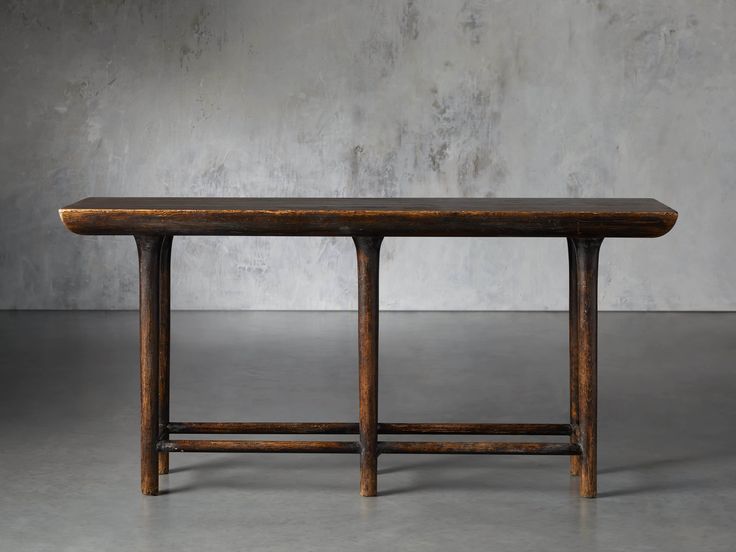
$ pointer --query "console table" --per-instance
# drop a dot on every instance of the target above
(155, 221)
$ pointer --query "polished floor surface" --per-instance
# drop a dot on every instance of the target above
(69, 441)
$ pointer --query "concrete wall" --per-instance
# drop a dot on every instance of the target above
(368, 98)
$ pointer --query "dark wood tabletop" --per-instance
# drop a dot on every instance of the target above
(523, 217)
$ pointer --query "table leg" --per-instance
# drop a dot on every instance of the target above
(586, 257)
(368, 250)
(149, 259)
(164, 339)
(573, 343)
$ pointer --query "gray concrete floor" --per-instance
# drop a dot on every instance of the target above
(69, 421)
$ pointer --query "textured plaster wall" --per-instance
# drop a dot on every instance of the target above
(368, 98)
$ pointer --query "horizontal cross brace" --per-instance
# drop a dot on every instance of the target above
(203, 445)
(480, 447)
(340, 428)
(384, 447)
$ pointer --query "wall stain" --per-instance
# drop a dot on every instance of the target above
(382, 51)
(201, 36)
(465, 133)
(437, 156)
(373, 173)
(355, 163)
(28, 18)
(409, 27)
(479, 172)
(472, 22)
(651, 58)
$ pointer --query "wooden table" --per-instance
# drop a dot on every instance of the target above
(155, 221)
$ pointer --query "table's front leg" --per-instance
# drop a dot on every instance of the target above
(164, 340)
(149, 261)
(586, 359)
(573, 344)
(368, 250)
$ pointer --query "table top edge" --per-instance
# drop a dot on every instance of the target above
(371, 205)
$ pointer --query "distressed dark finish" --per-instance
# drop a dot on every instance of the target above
(573, 345)
(586, 362)
(164, 339)
(154, 222)
(368, 250)
(263, 428)
(546, 217)
(149, 255)
(206, 445)
(472, 447)
(343, 428)
(474, 429)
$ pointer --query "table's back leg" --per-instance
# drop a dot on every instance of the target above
(573, 344)
(368, 250)
(164, 339)
(149, 259)
(586, 256)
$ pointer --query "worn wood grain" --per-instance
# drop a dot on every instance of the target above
(164, 348)
(368, 251)
(263, 428)
(472, 429)
(475, 447)
(343, 428)
(573, 354)
(586, 255)
(208, 445)
(541, 217)
(149, 254)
